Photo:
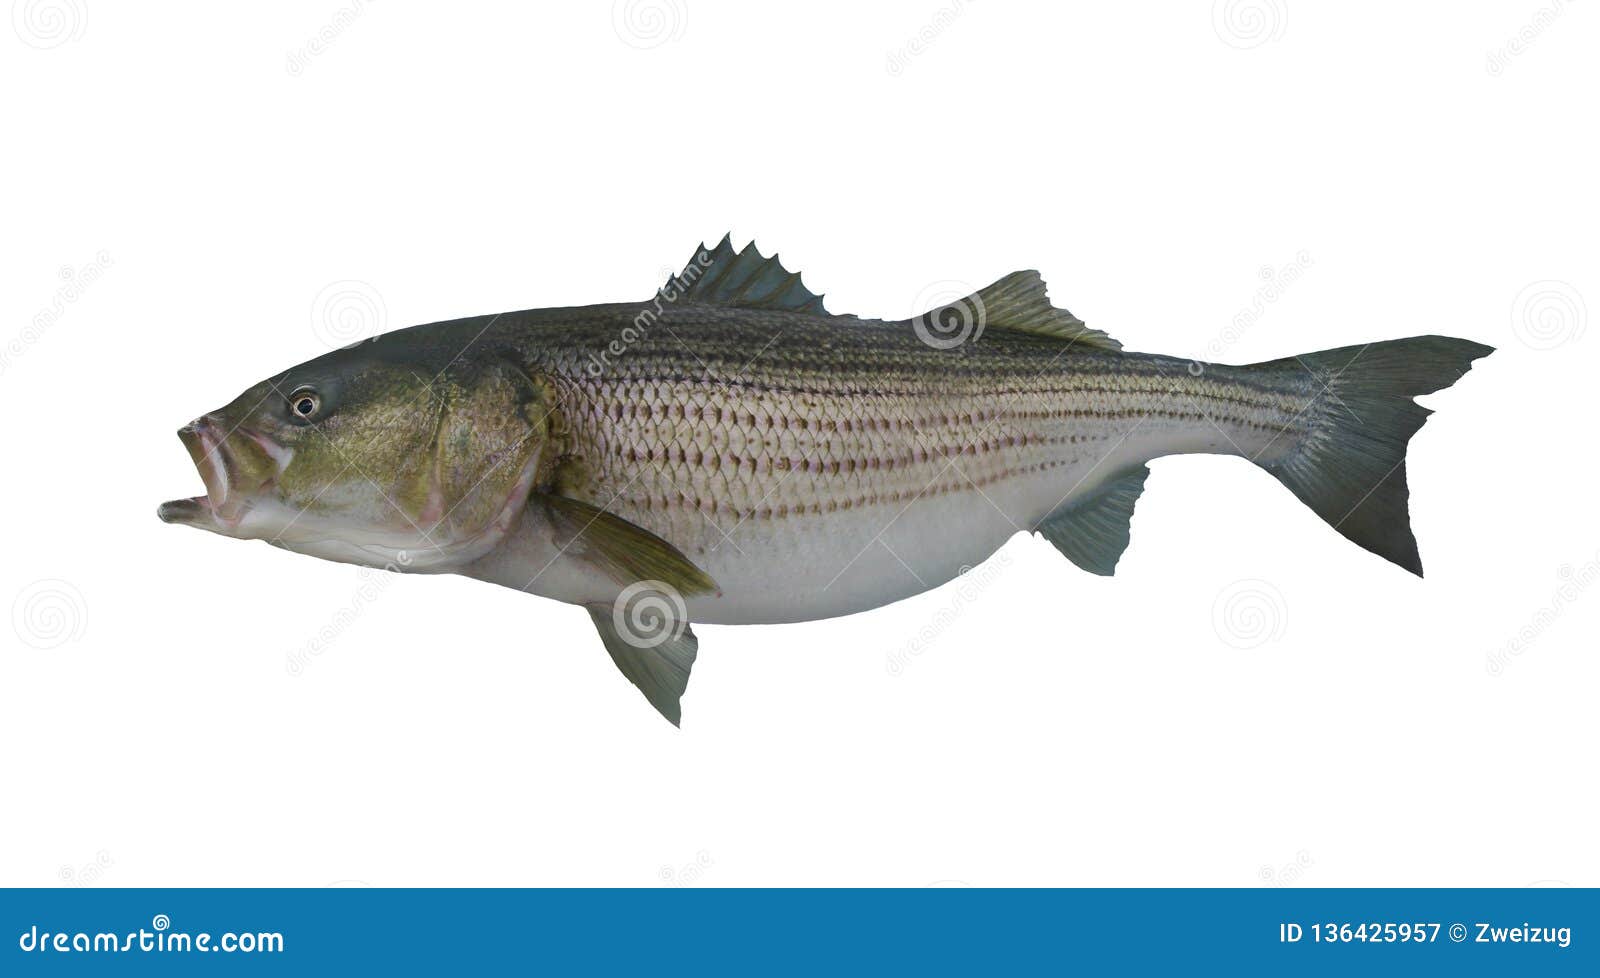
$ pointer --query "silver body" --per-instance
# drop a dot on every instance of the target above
(818, 466)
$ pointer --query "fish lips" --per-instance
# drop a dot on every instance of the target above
(235, 467)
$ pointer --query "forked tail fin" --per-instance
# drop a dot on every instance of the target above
(1351, 467)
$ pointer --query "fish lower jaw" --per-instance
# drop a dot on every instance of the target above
(184, 510)
(200, 511)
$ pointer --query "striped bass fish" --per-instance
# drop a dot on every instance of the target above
(729, 452)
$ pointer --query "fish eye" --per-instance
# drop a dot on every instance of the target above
(304, 404)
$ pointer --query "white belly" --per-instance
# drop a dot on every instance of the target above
(821, 566)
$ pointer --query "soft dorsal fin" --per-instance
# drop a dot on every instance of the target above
(1018, 302)
(744, 279)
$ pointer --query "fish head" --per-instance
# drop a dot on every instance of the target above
(371, 458)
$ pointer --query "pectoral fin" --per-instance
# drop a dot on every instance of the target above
(622, 551)
(646, 629)
(656, 657)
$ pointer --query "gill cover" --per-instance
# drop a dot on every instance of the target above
(489, 423)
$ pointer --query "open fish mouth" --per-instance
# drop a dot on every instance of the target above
(236, 467)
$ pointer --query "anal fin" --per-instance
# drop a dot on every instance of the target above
(1092, 532)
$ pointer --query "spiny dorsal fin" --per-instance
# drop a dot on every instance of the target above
(746, 279)
(1018, 302)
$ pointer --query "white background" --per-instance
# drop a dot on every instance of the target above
(1251, 700)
